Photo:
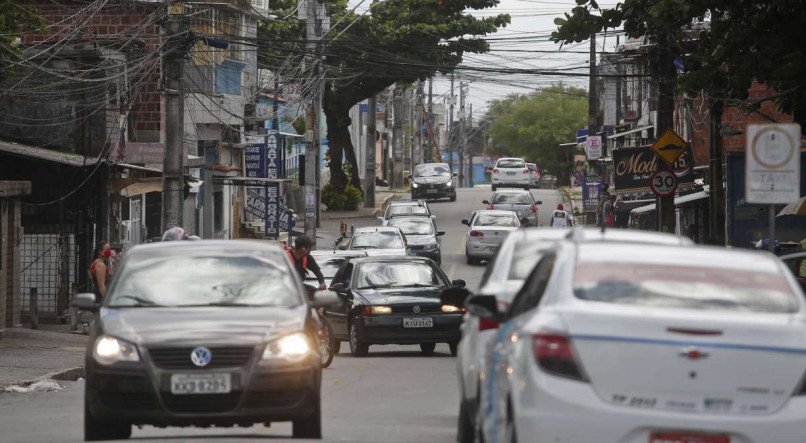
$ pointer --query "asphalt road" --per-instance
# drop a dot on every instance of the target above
(394, 395)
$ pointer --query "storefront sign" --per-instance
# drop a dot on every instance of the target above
(144, 153)
(633, 167)
(772, 169)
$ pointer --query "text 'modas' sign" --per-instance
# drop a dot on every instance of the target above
(633, 167)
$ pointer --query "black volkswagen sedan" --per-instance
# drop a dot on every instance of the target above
(393, 300)
(203, 333)
(433, 180)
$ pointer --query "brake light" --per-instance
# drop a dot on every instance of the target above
(495, 171)
(554, 354)
(476, 234)
(525, 171)
(485, 324)
(534, 208)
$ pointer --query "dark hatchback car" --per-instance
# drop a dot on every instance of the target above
(393, 300)
(203, 333)
(433, 180)
(329, 263)
(421, 236)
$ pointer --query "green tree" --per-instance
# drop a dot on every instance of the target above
(399, 41)
(14, 17)
(533, 125)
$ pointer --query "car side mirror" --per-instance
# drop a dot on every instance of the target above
(326, 299)
(343, 247)
(486, 202)
(85, 302)
(484, 306)
(454, 296)
(465, 222)
(440, 233)
(459, 283)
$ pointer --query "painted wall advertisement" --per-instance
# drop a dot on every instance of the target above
(633, 167)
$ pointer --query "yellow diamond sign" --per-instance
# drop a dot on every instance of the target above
(669, 146)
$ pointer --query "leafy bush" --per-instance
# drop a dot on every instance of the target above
(349, 200)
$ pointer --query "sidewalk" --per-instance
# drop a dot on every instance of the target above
(27, 356)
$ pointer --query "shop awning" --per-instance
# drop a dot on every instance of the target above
(631, 131)
(683, 199)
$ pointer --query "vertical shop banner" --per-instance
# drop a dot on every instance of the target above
(255, 163)
(590, 194)
(274, 170)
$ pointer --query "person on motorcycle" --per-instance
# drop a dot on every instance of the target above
(303, 261)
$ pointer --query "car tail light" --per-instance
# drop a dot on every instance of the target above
(485, 324)
(554, 354)
(525, 171)
(534, 208)
(490, 206)
(495, 171)
(476, 234)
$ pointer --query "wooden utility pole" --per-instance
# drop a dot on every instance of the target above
(450, 127)
(593, 98)
(427, 155)
(664, 72)
(462, 134)
(369, 172)
(716, 208)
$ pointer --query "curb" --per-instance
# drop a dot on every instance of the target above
(70, 374)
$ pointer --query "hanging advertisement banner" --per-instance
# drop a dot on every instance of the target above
(633, 167)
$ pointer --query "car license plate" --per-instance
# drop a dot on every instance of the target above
(510, 172)
(431, 191)
(201, 383)
(418, 322)
(677, 437)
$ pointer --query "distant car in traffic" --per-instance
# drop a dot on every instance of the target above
(432, 181)
(504, 277)
(511, 172)
(421, 236)
(649, 343)
(378, 240)
(486, 230)
(201, 334)
(520, 201)
(407, 208)
(329, 262)
(393, 300)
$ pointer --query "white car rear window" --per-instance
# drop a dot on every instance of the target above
(497, 220)
(514, 163)
(687, 287)
(514, 199)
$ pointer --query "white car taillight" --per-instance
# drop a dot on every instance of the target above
(476, 234)
(554, 354)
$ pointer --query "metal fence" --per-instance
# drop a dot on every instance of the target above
(47, 264)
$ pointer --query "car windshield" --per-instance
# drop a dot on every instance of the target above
(430, 170)
(509, 220)
(687, 287)
(532, 167)
(204, 281)
(377, 240)
(397, 274)
(399, 210)
(526, 257)
(513, 163)
(512, 199)
(414, 226)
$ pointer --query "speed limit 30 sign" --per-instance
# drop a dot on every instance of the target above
(663, 183)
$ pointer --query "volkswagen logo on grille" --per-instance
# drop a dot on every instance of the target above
(416, 309)
(201, 356)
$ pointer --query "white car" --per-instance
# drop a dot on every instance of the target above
(638, 343)
(511, 172)
(486, 230)
(378, 241)
(505, 274)
(518, 200)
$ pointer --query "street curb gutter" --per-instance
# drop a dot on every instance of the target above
(70, 374)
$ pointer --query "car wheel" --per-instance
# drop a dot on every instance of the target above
(335, 345)
(453, 197)
(428, 348)
(357, 346)
(325, 342)
(310, 427)
(96, 430)
(466, 427)
(454, 346)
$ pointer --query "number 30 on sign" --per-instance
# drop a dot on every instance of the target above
(663, 183)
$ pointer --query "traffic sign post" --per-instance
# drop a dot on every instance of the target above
(772, 167)
(669, 146)
(663, 183)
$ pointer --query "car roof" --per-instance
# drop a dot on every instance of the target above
(319, 253)
(366, 229)
(627, 236)
(496, 212)
(410, 217)
(512, 191)
(407, 202)
(187, 247)
(509, 158)
(396, 258)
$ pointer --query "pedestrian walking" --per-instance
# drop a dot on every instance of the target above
(100, 271)
(560, 218)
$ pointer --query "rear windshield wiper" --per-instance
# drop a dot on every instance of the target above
(418, 285)
(376, 286)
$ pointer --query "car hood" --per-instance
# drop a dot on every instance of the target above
(394, 296)
(420, 239)
(209, 325)
(433, 179)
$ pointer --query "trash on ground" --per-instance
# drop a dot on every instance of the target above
(40, 386)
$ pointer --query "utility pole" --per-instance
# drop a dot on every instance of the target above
(369, 173)
(470, 154)
(664, 72)
(450, 127)
(173, 163)
(428, 153)
(418, 123)
(462, 134)
(716, 225)
(397, 138)
(593, 98)
(314, 31)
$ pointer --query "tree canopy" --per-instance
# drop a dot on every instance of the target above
(398, 41)
(14, 17)
(533, 125)
(725, 44)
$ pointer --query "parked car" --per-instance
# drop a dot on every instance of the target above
(406, 208)
(650, 343)
(212, 333)
(518, 200)
(378, 240)
(421, 237)
(393, 300)
(486, 230)
(503, 278)
(535, 172)
(511, 172)
(329, 263)
(432, 181)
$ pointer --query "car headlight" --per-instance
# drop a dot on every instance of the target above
(415, 185)
(450, 308)
(110, 350)
(450, 183)
(292, 347)
(430, 247)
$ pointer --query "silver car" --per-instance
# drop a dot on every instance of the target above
(378, 241)
(487, 229)
(518, 200)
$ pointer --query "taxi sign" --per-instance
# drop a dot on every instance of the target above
(669, 146)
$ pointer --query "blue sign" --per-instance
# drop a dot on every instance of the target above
(255, 161)
(582, 135)
(591, 191)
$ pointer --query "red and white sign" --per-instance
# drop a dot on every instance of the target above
(593, 147)
(663, 183)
